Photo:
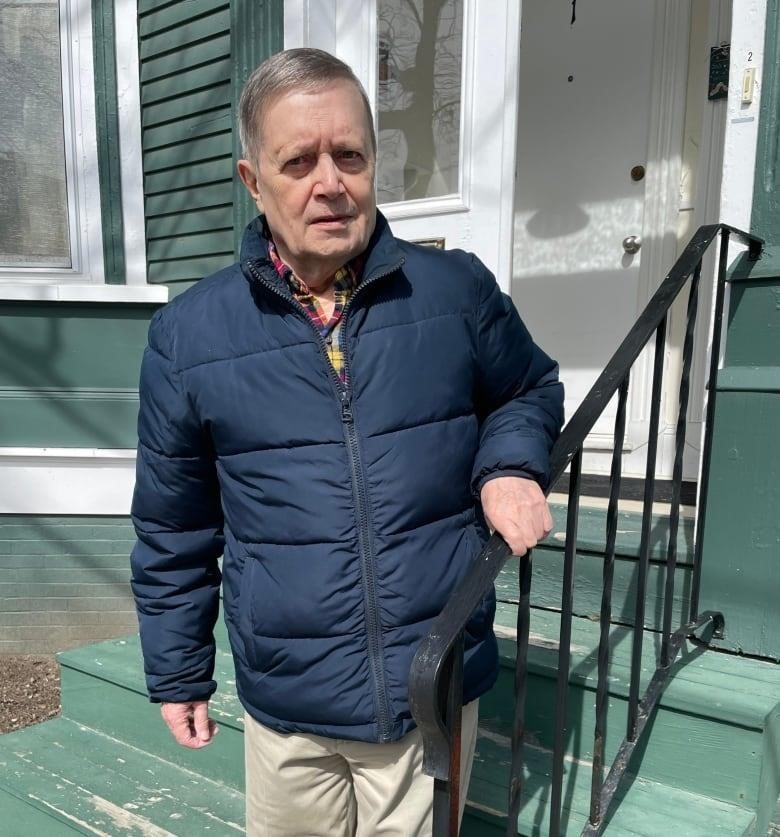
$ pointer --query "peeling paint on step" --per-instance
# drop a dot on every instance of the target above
(65, 815)
(128, 821)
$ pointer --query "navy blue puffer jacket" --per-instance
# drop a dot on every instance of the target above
(346, 514)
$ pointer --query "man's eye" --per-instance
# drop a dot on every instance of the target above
(350, 158)
(296, 163)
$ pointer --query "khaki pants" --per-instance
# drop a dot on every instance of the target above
(309, 786)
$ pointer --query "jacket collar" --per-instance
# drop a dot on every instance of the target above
(382, 255)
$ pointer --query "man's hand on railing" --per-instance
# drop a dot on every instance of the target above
(516, 508)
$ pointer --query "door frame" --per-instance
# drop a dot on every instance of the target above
(316, 23)
(348, 28)
(660, 219)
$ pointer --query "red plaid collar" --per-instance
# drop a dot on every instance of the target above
(346, 277)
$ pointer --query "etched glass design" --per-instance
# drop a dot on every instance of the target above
(419, 71)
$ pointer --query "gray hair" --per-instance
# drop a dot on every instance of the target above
(306, 69)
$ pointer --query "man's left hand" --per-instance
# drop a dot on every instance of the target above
(517, 509)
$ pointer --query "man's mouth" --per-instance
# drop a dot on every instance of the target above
(335, 220)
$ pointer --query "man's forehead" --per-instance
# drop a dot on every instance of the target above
(286, 120)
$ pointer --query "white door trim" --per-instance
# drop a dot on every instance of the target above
(662, 183)
(348, 28)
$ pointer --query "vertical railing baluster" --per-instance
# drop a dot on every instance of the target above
(521, 681)
(647, 518)
(602, 692)
(564, 646)
(677, 471)
(709, 415)
(446, 793)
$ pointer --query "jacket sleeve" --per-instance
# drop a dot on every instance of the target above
(519, 398)
(178, 521)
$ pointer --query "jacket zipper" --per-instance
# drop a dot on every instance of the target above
(360, 494)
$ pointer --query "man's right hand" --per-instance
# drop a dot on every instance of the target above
(189, 723)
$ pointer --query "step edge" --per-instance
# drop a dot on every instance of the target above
(682, 696)
(122, 745)
(686, 796)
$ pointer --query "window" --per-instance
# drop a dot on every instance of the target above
(419, 69)
(51, 238)
(50, 209)
(34, 228)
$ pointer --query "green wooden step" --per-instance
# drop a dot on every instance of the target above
(95, 784)
(646, 809)
(716, 730)
(20, 819)
(103, 688)
(591, 540)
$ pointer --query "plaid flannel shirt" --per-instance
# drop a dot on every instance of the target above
(344, 282)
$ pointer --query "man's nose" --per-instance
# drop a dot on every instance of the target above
(328, 177)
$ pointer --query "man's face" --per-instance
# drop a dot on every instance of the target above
(314, 179)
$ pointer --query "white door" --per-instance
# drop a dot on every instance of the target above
(480, 148)
(444, 86)
(586, 171)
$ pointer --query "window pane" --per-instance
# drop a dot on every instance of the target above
(33, 196)
(419, 54)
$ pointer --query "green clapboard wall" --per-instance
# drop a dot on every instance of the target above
(741, 537)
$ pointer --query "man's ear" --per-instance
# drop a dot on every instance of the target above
(248, 177)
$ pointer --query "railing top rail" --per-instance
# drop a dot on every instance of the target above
(429, 661)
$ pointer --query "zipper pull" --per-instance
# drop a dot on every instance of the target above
(346, 407)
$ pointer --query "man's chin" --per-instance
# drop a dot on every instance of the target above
(340, 243)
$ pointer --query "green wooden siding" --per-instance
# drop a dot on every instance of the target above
(186, 117)
(741, 538)
(766, 189)
(69, 374)
(107, 118)
(195, 57)
(64, 581)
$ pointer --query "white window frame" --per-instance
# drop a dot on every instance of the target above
(84, 281)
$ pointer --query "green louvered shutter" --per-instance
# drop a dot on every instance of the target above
(195, 56)
(187, 138)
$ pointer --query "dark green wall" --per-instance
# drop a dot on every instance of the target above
(69, 374)
(741, 538)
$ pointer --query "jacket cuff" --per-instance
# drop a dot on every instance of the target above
(503, 472)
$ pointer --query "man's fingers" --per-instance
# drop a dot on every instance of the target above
(201, 723)
(525, 533)
(517, 508)
(189, 723)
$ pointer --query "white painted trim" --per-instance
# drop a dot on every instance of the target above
(130, 146)
(66, 481)
(79, 455)
(423, 207)
(707, 211)
(84, 138)
(508, 157)
(296, 14)
(94, 292)
(748, 31)
(662, 183)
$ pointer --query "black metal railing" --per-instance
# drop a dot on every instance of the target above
(437, 672)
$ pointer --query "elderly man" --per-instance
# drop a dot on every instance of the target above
(341, 414)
